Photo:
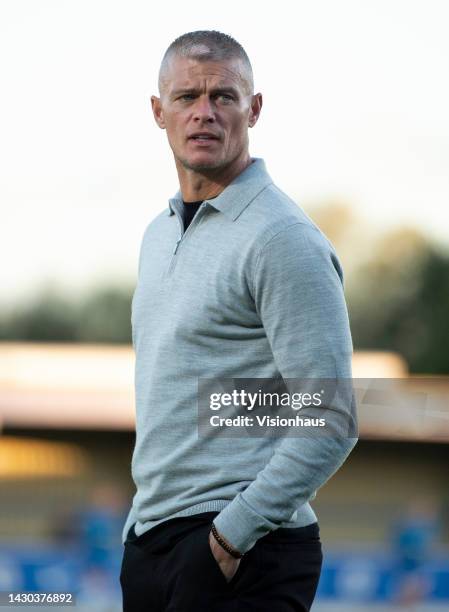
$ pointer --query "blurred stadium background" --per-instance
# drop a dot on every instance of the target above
(359, 136)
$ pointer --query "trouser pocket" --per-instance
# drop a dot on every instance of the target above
(195, 581)
(291, 562)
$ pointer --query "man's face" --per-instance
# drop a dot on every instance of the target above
(206, 108)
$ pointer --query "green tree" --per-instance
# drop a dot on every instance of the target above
(400, 301)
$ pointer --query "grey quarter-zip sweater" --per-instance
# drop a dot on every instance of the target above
(252, 289)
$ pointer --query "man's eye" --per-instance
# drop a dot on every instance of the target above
(225, 97)
(187, 97)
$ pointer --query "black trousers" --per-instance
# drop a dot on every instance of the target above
(171, 568)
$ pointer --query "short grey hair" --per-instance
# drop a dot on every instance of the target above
(207, 45)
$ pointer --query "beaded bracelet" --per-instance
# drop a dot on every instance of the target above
(235, 553)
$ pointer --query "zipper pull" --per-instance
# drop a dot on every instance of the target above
(176, 246)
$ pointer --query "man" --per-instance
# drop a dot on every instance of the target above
(235, 281)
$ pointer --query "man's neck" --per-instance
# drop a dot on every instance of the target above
(196, 186)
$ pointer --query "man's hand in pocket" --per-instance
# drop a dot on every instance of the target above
(227, 563)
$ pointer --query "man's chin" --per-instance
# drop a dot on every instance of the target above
(202, 165)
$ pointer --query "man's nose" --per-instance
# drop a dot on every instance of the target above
(203, 109)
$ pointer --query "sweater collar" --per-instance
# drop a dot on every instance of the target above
(239, 193)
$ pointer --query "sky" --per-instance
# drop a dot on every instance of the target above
(355, 110)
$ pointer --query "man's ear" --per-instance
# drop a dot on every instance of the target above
(158, 113)
(256, 107)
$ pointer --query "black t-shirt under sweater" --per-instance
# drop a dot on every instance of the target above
(190, 209)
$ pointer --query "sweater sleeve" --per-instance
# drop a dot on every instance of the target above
(298, 293)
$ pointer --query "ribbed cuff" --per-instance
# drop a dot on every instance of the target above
(242, 526)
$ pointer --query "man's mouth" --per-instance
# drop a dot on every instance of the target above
(203, 137)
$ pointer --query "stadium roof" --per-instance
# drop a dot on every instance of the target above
(86, 386)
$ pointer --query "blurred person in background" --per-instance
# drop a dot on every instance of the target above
(92, 532)
(100, 525)
(414, 538)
